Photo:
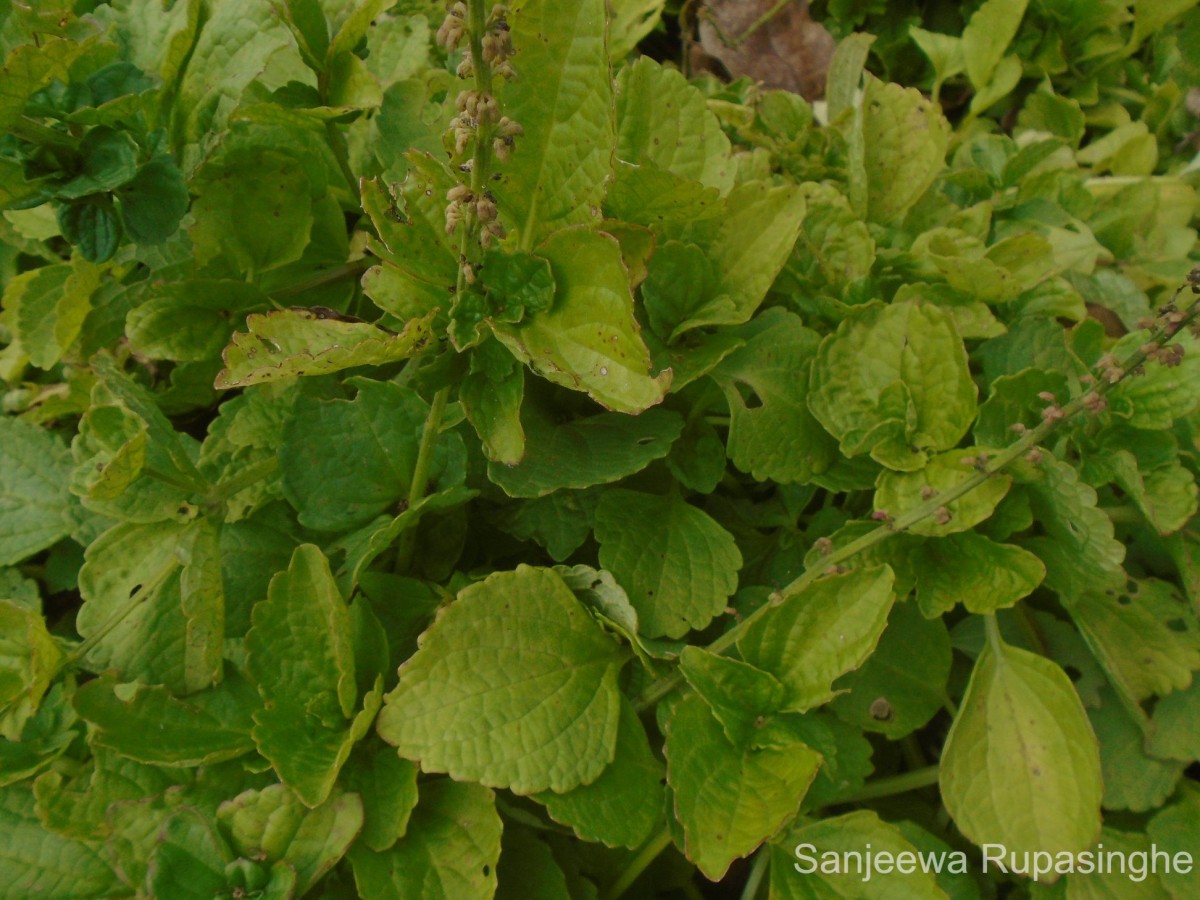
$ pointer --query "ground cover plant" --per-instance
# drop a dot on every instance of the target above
(449, 453)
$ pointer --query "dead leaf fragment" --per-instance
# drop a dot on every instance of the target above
(772, 42)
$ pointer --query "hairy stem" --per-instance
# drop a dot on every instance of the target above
(987, 469)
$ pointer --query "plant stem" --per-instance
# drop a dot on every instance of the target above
(416, 489)
(987, 469)
(889, 787)
(638, 864)
(754, 881)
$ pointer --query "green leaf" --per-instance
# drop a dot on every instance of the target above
(624, 805)
(344, 462)
(973, 569)
(388, 787)
(741, 697)
(272, 825)
(154, 202)
(758, 230)
(49, 306)
(797, 872)
(677, 564)
(817, 636)
(39, 863)
(893, 382)
(563, 101)
(772, 434)
(302, 660)
(987, 36)
(945, 54)
(541, 715)
(845, 72)
(34, 470)
(365, 545)
(528, 869)
(896, 691)
(1152, 16)
(148, 724)
(593, 450)
(411, 222)
(230, 51)
(29, 661)
(667, 203)
(1020, 766)
(255, 209)
(630, 21)
(837, 246)
(189, 858)
(491, 396)
(728, 799)
(92, 225)
(109, 161)
(1078, 548)
(663, 120)
(449, 853)
(290, 342)
(1174, 733)
(1176, 829)
(898, 492)
(1145, 636)
(589, 339)
(45, 737)
(189, 321)
(1133, 779)
(904, 138)
(559, 522)
(131, 584)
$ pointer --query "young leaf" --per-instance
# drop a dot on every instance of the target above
(677, 564)
(821, 634)
(729, 799)
(589, 339)
(541, 715)
(893, 382)
(1021, 766)
(273, 825)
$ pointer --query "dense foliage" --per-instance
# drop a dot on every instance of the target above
(448, 456)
